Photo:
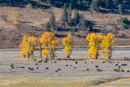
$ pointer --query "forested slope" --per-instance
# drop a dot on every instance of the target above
(79, 17)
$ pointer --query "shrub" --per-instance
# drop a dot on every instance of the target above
(122, 35)
(125, 26)
(125, 23)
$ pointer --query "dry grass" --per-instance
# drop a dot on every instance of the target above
(39, 17)
(124, 82)
(20, 81)
(77, 59)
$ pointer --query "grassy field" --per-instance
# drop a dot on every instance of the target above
(24, 81)
(20, 81)
(68, 76)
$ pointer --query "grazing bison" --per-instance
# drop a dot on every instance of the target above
(76, 62)
(30, 68)
(99, 70)
(123, 64)
(97, 66)
(40, 61)
(103, 62)
(66, 65)
(87, 69)
(47, 68)
(116, 64)
(74, 67)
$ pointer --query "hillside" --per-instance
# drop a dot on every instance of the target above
(34, 22)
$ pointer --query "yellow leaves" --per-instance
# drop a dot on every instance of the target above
(49, 42)
(32, 40)
(107, 45)
(28, 46)
(24, 46)
(98, 41)
(47, 38)
(67, 42)
(54, 43)
(94, 43)
(45, 52)
(16, 17)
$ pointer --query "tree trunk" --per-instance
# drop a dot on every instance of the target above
(78, 32)
(68, 57)
(46, 59)
(109, 58)
(96, 55)
(40, 50)
(28, 56)
(53, 54)
(51, 58)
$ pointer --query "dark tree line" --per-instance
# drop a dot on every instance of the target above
(77, 4)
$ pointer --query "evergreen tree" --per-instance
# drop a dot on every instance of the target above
(120, 9)
(82, 22)
(76, 17)
(79, 2)
(104, 28)
(95, 4)
(116, 2)
(49, 1)
(69, 14)
(108, 3)
(127, 2)
(73, 4)
(125, 23)
(90, 27)
(52, 21)
(48, 27)
(65, 14)
(115, 27)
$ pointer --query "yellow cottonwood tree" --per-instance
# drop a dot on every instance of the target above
(94, 44)
(24, 46)
(107, 45)
(53, 48)
(49, 42)
(16, 17)
(68, 43)
(32, 41)
(28, 46)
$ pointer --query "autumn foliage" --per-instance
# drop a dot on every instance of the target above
(107, 45)
(28, 46)
(16, 17)
(100, 42)
(25, 47)
(49, 42)
(95, 44)
(68, 43)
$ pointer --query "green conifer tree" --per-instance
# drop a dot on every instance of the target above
(52, 21)
(120, 9)
(48, 27)
(65, 14)
(76, 17)
(95, 4)
(69, 13)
